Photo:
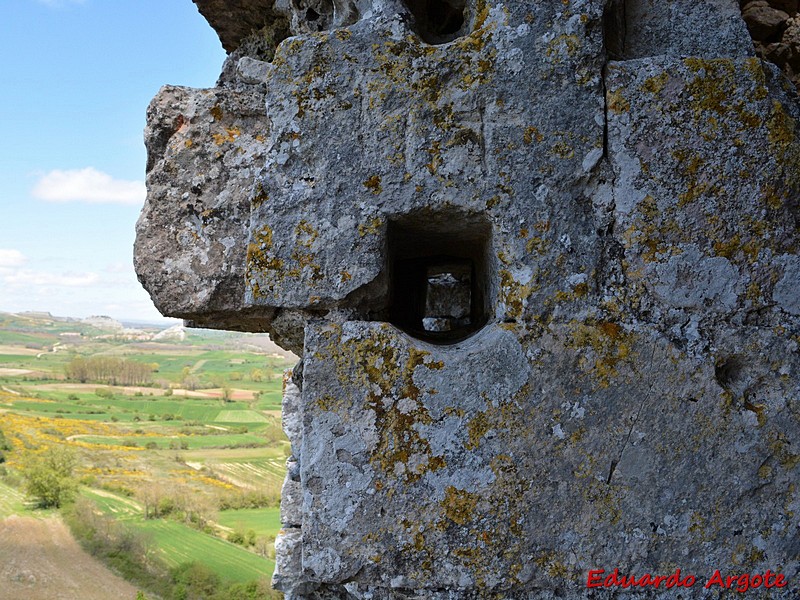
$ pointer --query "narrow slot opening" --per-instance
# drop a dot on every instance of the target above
(439, 276)
(614, 26)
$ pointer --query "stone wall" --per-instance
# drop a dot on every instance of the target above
(606, 192)
(775, 27)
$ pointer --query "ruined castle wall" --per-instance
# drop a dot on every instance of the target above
(606, 192)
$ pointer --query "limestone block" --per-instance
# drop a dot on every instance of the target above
(205, 148)
(614, 381)
(400, 131)
(711, 28)
(291, 410)
(287, 559)
(705, 153)
(414, 484)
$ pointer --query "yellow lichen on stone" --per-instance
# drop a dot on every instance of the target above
(384, 368)
(655, 84)
(230, 135)
(610, 345)
(459, 505)
(305, 234)
(513, 294)
(476, 429)
(371, 227)
(373, 184)
(532, 133)
(564, 45)
(616, 102)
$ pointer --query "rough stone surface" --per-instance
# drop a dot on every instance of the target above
(671, 27)
(775, 27)
(188, 248)
(763, 20)
(234, 20)
(626, 192)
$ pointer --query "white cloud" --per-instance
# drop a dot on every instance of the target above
(88, 185)
(59, 3)
(76, 295)
(26, 277)
(119, 267)
(11, 258)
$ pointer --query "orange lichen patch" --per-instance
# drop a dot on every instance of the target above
(609, 345)
(230, 135)
(616, 102)
(459, 505)
(373, 184)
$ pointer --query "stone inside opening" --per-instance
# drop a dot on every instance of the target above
(438, 21)
(439, 276)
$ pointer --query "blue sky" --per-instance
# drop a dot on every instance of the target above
(76, 78)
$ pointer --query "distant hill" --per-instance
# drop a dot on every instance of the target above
(42, 330)
(103, 322)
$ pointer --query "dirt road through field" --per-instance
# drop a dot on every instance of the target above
(40, 560)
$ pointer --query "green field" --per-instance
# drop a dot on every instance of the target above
(121, 508)
(193, 442)
(240, 416)
(178, 543)
(51, 399)
(11, 501)
(206, 427)
(264, 521)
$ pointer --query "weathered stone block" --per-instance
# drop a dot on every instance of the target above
(620, 181)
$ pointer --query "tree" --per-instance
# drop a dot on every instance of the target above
(192, 382)
(194, 581)
(49, 477)
(109, 369)
(257, 375)
(5, 446)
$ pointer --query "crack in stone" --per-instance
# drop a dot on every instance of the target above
(636, 419)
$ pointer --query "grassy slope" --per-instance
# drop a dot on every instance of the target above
(177, 543)
(11, 501)
(139, 418)
(264, 521)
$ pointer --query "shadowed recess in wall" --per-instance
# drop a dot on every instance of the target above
(438, 21)
(439, 276)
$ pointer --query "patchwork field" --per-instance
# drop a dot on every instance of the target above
(187, 460)
(264, 521)
(176, 543)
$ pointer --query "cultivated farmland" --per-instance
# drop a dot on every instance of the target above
(190, 462)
